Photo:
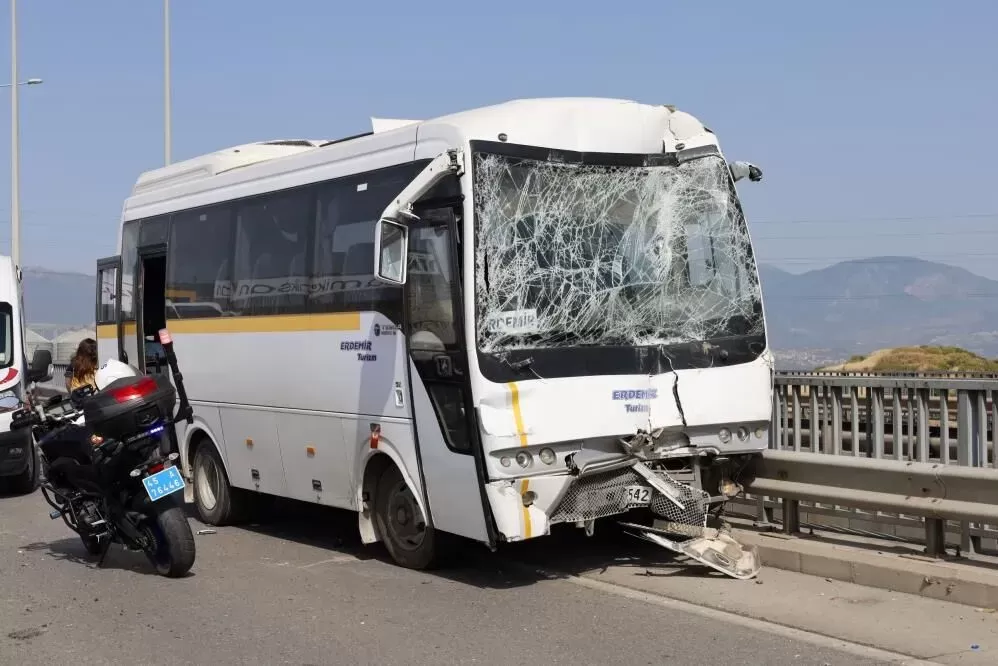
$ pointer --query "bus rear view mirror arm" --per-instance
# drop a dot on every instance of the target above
(740, 170)
(444, 164)
(391, 238)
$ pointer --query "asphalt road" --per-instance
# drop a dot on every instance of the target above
(299, 589)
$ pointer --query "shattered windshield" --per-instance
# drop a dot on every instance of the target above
(571, 254)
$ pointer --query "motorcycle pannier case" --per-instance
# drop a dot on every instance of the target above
(130, 405)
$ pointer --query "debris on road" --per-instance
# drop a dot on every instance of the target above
(714, 548)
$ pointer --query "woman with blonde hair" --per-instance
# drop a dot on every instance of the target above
(83, 366)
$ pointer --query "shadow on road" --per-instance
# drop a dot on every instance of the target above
(72, 550)
(566, 552)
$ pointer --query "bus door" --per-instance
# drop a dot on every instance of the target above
(150, 319)
(150, 309)
(446, 432)
(108, 315)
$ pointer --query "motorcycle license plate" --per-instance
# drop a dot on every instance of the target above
(163, 483)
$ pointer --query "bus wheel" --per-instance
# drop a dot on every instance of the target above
(409, 540)
(217, 502)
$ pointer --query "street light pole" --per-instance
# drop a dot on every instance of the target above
(167, 120)
(15, 146)
(15, 142)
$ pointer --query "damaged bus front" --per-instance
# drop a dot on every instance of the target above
(618, 357)
(620, 337)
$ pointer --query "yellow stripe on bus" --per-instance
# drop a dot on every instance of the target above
(528, 527)
(334, 321)
(107, 331)
(517, 414)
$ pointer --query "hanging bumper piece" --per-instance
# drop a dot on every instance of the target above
(712, 547)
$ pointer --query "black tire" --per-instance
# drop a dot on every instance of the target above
(173, 550)
(218, 503)
(397, 519)
(27, 481)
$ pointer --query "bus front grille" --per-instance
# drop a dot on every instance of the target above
(601, 495)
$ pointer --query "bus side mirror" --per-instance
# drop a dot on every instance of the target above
(740, 170)
(41, 369)
(391, 239)
(391, 251)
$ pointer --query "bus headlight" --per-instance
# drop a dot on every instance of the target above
(725, 435)
(743, 433)
(547, 456)
(505, 461)
(524, 459)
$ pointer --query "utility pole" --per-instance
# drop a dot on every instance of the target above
(15, 146)
(167, 120)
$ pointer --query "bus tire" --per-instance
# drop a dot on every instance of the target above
(217, 502)
(399, 522)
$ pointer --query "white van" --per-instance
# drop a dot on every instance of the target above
(18, 459)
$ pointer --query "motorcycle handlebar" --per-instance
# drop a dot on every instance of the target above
(24, 420)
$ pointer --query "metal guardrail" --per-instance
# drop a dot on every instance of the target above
(946, 423)
(932, 491)
(939, 374)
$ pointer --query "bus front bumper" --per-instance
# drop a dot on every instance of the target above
(527, 507)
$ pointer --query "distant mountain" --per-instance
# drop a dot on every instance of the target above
(858, 306)
(58, 299)
(815, 318)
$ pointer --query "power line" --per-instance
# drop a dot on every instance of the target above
(856, 220)
(876, 259)
(876, 297)
(900, 234)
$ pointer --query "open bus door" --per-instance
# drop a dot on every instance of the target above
(108, 309)
(150, 308)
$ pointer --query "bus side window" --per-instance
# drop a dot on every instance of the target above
(343, 278)
(197, 277)
(108, 295)
(272, 241)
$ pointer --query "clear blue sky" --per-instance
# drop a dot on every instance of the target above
(857, 110)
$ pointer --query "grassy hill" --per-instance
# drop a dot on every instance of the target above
(918, 359)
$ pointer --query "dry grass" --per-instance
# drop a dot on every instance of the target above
(918, 359)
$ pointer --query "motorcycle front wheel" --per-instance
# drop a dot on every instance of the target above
(171, 545)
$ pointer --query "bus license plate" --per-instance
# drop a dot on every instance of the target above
(637, 495)
(163, 483)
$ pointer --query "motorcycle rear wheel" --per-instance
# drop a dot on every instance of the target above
(172, 551)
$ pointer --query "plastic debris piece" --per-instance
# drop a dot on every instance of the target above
(719, 552)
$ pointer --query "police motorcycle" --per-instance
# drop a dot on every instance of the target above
(108, 465)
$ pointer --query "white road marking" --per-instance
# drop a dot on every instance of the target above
(855, 649)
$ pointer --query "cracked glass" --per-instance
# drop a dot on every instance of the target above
(572, 255)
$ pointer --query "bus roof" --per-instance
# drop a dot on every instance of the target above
(568, 123)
